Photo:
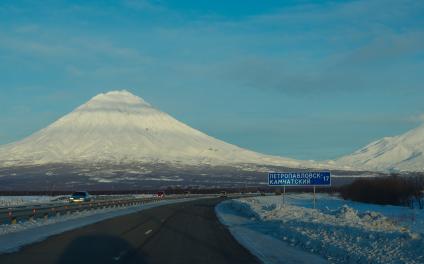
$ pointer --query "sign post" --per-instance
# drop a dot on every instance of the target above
(306, 178)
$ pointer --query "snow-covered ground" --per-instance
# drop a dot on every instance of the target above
(12, 237)
(337, 231)
(13, 201)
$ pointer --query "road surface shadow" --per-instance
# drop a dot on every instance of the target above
(99, 249)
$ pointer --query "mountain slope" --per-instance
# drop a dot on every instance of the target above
(120, 127)
(399, 153)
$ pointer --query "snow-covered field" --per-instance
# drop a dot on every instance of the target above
(337, 231)
(13, 201)
(12, 237)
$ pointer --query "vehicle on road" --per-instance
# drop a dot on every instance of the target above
(223, 194)
(160, 194)
(78, 197)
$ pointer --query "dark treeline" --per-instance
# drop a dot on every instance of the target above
(394, 190)
(174, 190)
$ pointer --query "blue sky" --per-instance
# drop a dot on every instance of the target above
(305, 79)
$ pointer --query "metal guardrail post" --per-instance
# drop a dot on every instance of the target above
(12, 219)
(32, 215)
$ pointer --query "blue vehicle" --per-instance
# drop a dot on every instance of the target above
(78, 197)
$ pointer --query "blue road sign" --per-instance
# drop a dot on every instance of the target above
(310, 178)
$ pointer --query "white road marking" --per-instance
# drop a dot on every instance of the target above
(121, 254)
(148, 231)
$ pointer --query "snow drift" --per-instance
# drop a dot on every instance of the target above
(338, 231)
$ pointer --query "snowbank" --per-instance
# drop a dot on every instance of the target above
(339, 231)
(252, 234)
(14, 201)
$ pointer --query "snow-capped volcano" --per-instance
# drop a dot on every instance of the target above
(399, 153)
(120, 127)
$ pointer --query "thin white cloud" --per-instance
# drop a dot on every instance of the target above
(31, 46)
(306, 48)
(27, 28)
(144, 5)
(419, 118)
(73, 47)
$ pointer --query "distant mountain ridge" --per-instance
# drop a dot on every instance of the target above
(390, 154)
(120, 127)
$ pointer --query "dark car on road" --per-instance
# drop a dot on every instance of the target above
(78, 197)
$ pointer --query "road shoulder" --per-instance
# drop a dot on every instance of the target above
(267, 248)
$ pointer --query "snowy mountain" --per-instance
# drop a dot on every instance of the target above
(399, 153)
(119, 127)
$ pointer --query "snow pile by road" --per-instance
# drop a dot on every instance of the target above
(13, 201)
(24, 225)
(344, 216)
(347, 233)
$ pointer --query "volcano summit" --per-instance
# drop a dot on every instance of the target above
(119, 137)
(119, 127)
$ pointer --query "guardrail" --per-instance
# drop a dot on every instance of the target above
(29, 213)
(13, 215)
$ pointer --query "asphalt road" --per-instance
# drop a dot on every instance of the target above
(179, 233)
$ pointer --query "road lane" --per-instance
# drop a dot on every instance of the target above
(178, 233)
